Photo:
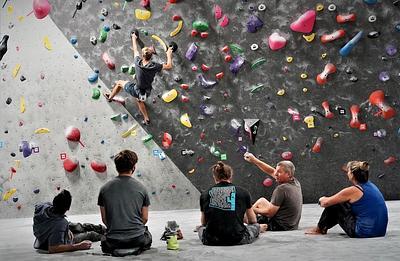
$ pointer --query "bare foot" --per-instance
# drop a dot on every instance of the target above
(315, 231)
(263, 228)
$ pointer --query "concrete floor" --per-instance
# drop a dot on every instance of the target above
(16, 241)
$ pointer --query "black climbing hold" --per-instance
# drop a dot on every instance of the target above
(116, 27)
(373, 34)
(6, 131)
(174, 46)
(36, 191)
(8, 101)
(15, 199)
(381, 176)
(93, 40)
(13, 154)
(82, 166)
(22, 78)
(139, 41)
(384, 58)
(396, 3)
(3, 46)
(177, 78)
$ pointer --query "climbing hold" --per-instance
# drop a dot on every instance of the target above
(372, 18)
(332, 8)
(169, 96)
(236, 49)
(289, 59)
(281, 92)
(254, 47)
(116, 27)
(73, 134)
(191, 51)
(276, 41)
(305, 23)
(381, 133)
(262, 7)
(323, 56)
(295, 114)
(22, 78)
(102, 36)
(355, 122)
(349, 45)
(42, 131)
(186, 121)
(205, 68)
(16, 69)
(256, 87)
(254, 24)
(194, 32)
(116, 117)
(251, 126)
(217, 12)
(22, 104)
(326, 38)
(93, 40)
(36, 191)
(391, 50)
(377, 98)
(219, 75)
(390, 160)
(225, 49)
(47, 43)
(228, 58)
(185, 86)
(305, 90)
(287, 155)
(41, 8)
(8, 101)
(370, 2)
(98, 166)
(267, 182)
(207, 110)
(200, 26)
(322, 78)
(184, 98)
(224, 21)
(166, 140)
(341, 19)
(26, 149)
(384, 76)
(131, 70)
(93, 77)
(9, 194)
(129, 131)
(104, 11)
(70, 164)
(108, 61)
(147, 138)
(204, 34)
(124, 68)
(95, 93)
(176, 18)
(319, 7)
(328, 113)
(257, 62)
(237, 63)
(177, 29)
(143, 15)
(309, 120)
(317, 146)
(73, 40)
(303, 76)
(309, 38)
(204, 82)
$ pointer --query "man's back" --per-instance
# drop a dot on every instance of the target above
(289, 198)
(123, 198)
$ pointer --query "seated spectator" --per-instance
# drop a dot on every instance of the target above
(53, 232)
(360, 209)
(284, 211)
(224, 207)
(124, 207)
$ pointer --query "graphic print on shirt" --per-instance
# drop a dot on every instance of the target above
(223, 198)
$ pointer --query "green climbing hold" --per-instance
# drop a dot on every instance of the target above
(131, 70)
(124, 68)
(103, 36)
(256, 88)
(224, 157)
(144, 32)
(257, 62)
(236, 49)
(95, 93)
(116, 117)
(147, 138)
(200, 26)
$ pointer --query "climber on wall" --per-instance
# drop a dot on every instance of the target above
(145, 71)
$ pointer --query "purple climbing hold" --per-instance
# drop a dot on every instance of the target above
(191, 52)
(204, 82)
(254, 23)
(384, 76)
(236, 64)
(391, 50)
(26, 149)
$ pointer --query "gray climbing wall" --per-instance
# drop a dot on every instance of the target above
(57, 95)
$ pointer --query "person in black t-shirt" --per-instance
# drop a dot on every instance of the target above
(224, 208)
(145, 71)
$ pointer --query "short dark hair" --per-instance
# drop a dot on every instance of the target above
(125, 161)
(360, 170)
(222, 171)
(62, 202)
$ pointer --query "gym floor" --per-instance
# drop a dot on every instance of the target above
(17, 240)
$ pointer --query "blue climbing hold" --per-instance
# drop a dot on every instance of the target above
(350, 44)
(397, 27)
(370, 2)
(106, 28)
(73, 40)
(93, 77)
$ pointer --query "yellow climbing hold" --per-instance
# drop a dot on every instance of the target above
(281, 92)
(142, 14)
(305, 90)
(10, 9)
(129, 131)
(191, 171)
(169, 96)
(22, 104)
(284, 138)
(303, 76)
(309, 38)
(42, 131)
(289, 59)
(319, 7)
(310, 121)
(47, 43)
(16, 70)
(186, 121)
(9, 194)
(21, 18)
(177, 29)
(160, 41)
(323, 56)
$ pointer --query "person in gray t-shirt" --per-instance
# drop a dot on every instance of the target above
(284, 210)
(124, 207)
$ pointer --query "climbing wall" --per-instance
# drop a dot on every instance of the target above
(45, 91)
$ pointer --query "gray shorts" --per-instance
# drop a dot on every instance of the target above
(132, 89)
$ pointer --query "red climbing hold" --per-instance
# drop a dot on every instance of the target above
(322, 78)
(108, 61)
(73, 134)
(204, 34)
(145, 3)
(328, 113)
(341, 19)
(228, 58)
(98, 166)
(194, 32)
(184, 98)
(176, 18)
(355, 122)
(267, 182)
(184, 86)
(287, 155)
(167, 140)
(70, 164)
(219, 76)
(317, 146)
(326, 38)
(205, 68)
(377, 98)
(390, 160)
(225, 49)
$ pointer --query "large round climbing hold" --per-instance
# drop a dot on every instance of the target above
(332, 7)
(372, 18)
(41, 8)
(200, 26)
(98, 166)
(70, 164)
(262, 7)
(143, 15)
(169, 96)
(254, 47)
(267, 182)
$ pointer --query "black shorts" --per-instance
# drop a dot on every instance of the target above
(132, 89)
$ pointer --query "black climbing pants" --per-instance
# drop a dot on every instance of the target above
(108, 245)
(338, 214)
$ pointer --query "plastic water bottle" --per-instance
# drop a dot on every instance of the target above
(381, 133)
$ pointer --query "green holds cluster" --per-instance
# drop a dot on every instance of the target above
(257, 62)
(236, 49)
(200, 26)
(128, 69)
(95, 93)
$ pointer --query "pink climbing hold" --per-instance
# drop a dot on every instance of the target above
(41, 8)
(217, 12)
(267, 182)
(98, 166)
(305, 23)
(70, 164)
(276, 41)
(287, 155)
(73, 134)
(108, 61)
(322, 78)
(224, 22)
(167, 140)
